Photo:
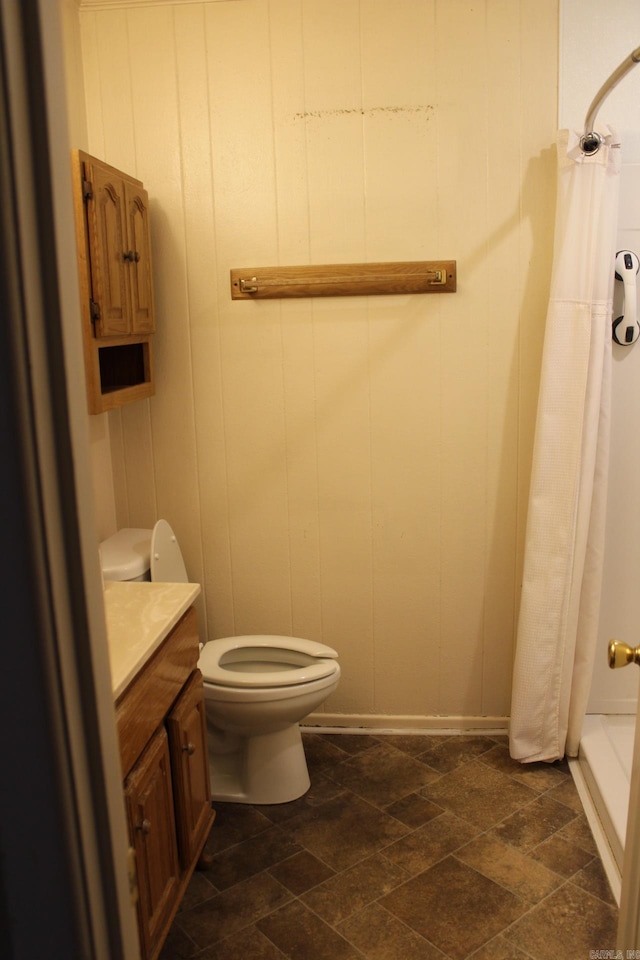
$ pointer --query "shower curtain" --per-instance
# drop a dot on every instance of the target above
(558, 622)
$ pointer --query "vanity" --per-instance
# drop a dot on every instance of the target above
(153, 641)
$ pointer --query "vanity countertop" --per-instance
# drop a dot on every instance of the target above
(139, 616)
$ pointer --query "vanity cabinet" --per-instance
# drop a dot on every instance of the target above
(151, 820)
(186, 726)
(116, 283)
(163, 747)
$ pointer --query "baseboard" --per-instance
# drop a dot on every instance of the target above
(399, 723)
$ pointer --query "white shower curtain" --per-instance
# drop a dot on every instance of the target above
(557, 628)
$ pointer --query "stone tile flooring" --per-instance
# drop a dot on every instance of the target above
(405, 848)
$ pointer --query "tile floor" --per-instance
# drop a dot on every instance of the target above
(405, 848)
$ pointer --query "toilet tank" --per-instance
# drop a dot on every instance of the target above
(126, 555)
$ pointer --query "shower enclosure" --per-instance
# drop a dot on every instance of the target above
(606, 746)
(578, 540)
(607, 743)
(609, 729)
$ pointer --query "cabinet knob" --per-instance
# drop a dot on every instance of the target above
(132, 256)
(189, 748)
(145, 826)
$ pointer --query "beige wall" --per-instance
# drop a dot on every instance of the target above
(101, 465)
(353, 470)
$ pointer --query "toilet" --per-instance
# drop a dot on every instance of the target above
(257, 688)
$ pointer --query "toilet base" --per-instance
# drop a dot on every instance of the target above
(265, 769)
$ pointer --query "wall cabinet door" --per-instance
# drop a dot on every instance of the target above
(139, 259)
(150, 812)
(107, 248)
(119, 252)
(192, 792)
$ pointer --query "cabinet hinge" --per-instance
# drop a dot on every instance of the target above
(87, 190)
(94, 310)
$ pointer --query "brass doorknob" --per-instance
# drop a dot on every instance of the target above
(621, 654)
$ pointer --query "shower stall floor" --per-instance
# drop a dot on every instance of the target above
(605, 760)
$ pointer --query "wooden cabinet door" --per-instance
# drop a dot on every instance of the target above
(107, 247)
(150, 812)
(192, 792)
(139, 259)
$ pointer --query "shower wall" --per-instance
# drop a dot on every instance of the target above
(612, 28)
(352, 470)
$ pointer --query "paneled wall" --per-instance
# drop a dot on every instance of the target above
(352, 470)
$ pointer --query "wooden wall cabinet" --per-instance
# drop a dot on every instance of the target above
(116, 283)
(163, 747)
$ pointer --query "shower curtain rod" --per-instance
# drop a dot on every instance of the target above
(590, 140)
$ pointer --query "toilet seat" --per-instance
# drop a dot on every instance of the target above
(167, 565)
(265, 661)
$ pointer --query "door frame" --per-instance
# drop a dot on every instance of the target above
(629, 921)
(63, 833)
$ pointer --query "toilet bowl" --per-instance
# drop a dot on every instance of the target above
(257, 688)
(256, 691)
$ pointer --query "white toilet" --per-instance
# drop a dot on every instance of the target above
(256, 688)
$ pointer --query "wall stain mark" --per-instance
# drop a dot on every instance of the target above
(424, 110)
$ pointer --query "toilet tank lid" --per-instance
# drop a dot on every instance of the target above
(126, 554)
